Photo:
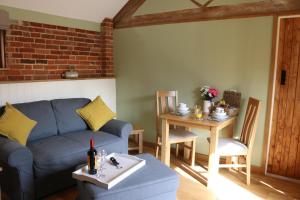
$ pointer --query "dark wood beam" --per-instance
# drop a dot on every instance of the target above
(262, 8)
(196, 3)
(128, 10)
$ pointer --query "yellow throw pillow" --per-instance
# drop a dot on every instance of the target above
(96, 114)
(15, 125)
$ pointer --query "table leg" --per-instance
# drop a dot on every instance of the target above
(213, 163)
(141, 142)
(165, 145)
(230, 135)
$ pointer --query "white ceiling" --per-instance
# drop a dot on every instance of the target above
(90, 10)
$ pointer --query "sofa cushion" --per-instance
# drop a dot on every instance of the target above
(8, 127)
(96, 114)
(42, 113)
(54, 154)
(67, 118)
(63, 152)
(102, 140)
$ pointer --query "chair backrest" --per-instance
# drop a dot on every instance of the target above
(166, 101)
(250, 122)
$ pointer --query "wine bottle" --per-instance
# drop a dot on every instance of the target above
(92, 153)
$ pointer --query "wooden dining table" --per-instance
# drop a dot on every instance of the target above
(189, 122)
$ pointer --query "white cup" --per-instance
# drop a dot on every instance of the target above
(182, 106)
(220, 110)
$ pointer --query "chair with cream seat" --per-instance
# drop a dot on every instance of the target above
(242, 147)
(166, 101)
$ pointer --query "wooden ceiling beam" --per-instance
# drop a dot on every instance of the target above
(262, 8)
(128, 10)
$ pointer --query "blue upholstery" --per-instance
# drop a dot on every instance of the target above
(17, 162)
(46, 163)
(153, 181)
(103, 140)
(119, 128)
(54, 154)
(59, 153)
(67, 118)
(42, 112)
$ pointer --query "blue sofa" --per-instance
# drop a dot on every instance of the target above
(57, 145)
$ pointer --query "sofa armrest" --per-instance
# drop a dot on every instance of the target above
(119, 128)
(17, 161)
(14, 154)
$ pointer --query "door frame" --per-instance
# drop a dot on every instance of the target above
(271, 92)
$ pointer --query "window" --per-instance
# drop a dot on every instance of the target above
(2, 48)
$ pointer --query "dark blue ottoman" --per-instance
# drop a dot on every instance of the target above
(154, 181)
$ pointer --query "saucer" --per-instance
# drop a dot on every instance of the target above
(182, 113)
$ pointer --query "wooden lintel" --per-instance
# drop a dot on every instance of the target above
(262, 8)
(196, 3)
(128, 10)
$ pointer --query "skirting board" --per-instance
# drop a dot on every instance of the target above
(204, 158)
(48, 90)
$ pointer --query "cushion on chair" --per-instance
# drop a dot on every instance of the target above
(42, 113)
(178, 135)
(67, 118)
(231, 147)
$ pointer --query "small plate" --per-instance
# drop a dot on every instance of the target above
(180, 113)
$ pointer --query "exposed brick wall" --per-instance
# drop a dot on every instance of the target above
(37, 51)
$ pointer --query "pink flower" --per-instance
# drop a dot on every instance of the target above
(213, 91)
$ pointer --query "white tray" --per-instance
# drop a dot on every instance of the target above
(113, 176)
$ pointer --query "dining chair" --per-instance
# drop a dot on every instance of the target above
(166, 102)
(242, 147)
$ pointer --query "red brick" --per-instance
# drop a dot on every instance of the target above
(16, 32)
(38, 40)
(36, 24)
(49, 26)
(47, 36)
(15, 78)
(51, 56)
(15, 44)
(26, 50)
(35, 34)
(38, 56)
(24, 39)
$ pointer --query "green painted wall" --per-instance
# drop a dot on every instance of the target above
(228, 54)
(32, 16)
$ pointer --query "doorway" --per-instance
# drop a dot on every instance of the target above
(284, 147)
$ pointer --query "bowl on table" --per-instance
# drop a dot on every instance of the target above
(182, 109)
(219, 114)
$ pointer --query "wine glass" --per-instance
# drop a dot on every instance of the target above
(100, 163)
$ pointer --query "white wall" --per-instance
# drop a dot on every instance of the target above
(91, 10)
(35, 91)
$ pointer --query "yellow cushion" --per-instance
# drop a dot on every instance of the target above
(96, 114)
(15, 125)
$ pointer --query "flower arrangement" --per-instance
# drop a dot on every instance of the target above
(208, 93)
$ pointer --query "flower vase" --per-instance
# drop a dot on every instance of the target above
(206, 106)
